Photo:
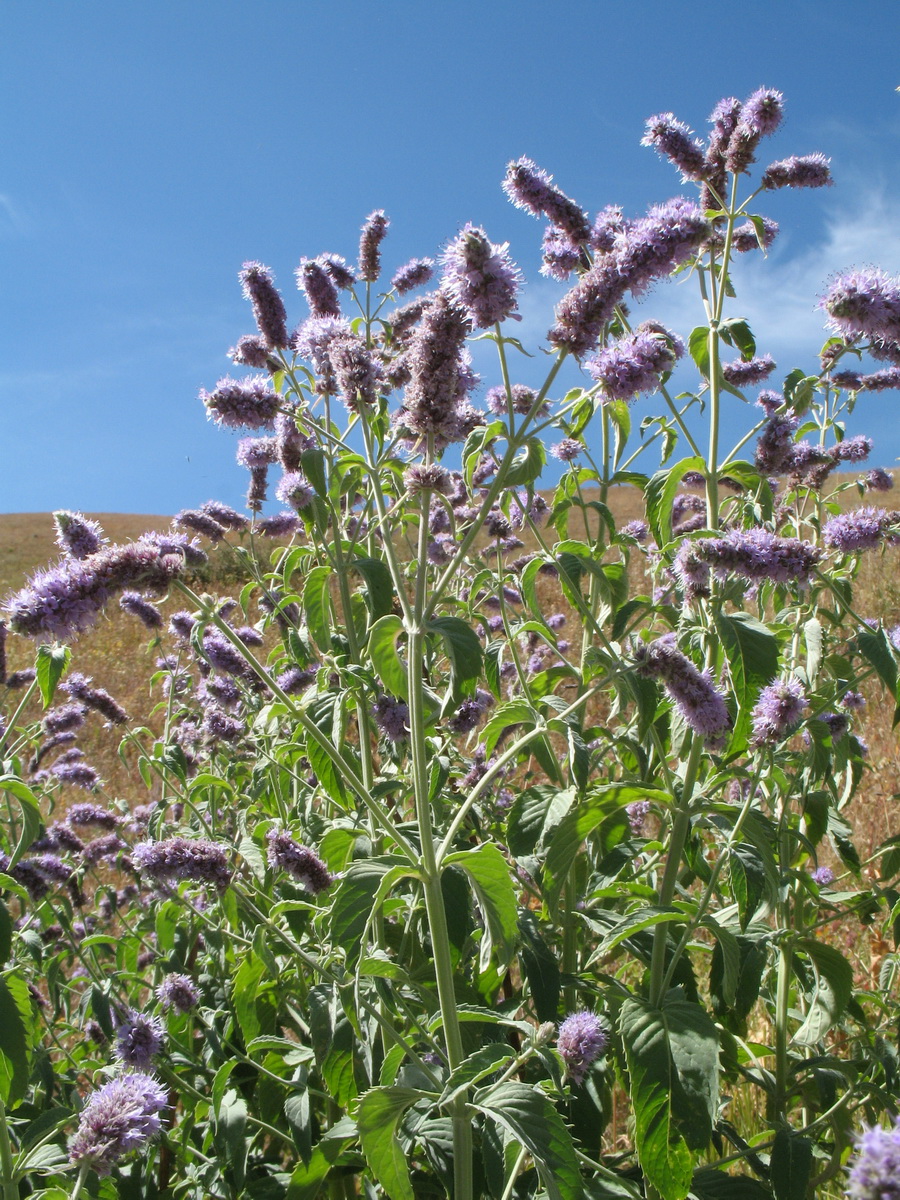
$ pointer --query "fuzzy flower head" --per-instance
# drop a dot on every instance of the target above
(415, 273)
(583, 311)
(863, 529)
(749, 236)
(637, 812)
(532, 189)
(242, 403)
(698, 700)
(315, 281)
(299, 862)
(392, 718)
(373, 234)
(560, 256)
(118, 1118)
(798, 171)
(822, 876)
(178, 858)
(178, 993)
(654, 246)
(742, 374)
(864, 304)
(481, 277)
(778, 711)
(138, 1040)
(582, 1039)
(258, 286)
(875, 1167)
(635, 364)
(77, 536)
(675, 141)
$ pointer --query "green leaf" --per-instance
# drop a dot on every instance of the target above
(694, 1043)
(493, 886)
(631, 923)
(231, 1136)
(534, 812)
(541, 967)
(736, 331)
(790, 1165)
(32, 821)
(380, 1112)
(244, 990)
(386, 657)
(484, 1061)
(662, 1151)
(698, 344)
(358, 895)
(832, 992)
(379, 585)
(748, 879)
(312, 464)
(317, 606)
(527, 465)
(15, 1038)
(710, 1184)
(535, 1123)
(49, 665)
(812, 635)
(6, 932)
(876, 649)
(580, 822)
(660, 495)
(752, 653)
(462, 647)
(298, 1114)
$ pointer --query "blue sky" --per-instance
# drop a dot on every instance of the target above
(149, 148)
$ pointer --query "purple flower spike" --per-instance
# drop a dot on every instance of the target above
(823, 876)
(560, 255)
(582, 1039)
(250, 351)
(307, 868)
(357, 371)
(637, 813)
(147, 613)
(567, 450)
(743, 374)
(654, 246)
(863, 529)
(199, 522)
(178, 992)
(341, 275)
(481, 277)
(532, 189)
(416, 273)
(373, 234)
(225, 515)
(317, 285)
(582, 312)
(778, 712)
(77, 536)
(636, 364)
(798, 171)
(699, 702)
(79, 687)
(278, 525)
(875, 1168)
(293, 489)
(268, 307)
(864, 304)
(178, 858)
(674, 141)
(248, 403)
(120, 1117)
(392, 718)
(746, 237)
(138, 1040)
(878, 480)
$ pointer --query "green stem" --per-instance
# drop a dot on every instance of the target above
(9, 1188)
(32, 687)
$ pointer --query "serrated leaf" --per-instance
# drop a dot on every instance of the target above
(484, 1061)
(534, 1122)
(660, 496)
(378, 1116)
(752, 653)
(698, 345)
(316, 597)
(541, 967)
(367, 880)
(662, 1151)
(534, 812)
(15, 1037)
(386, 657)
(527, 465)
(493, 886)
(463, 648)
(832, 992)
(379, 585)
(876, 649)
(790, 1165)
(49, 665)
(740, 334)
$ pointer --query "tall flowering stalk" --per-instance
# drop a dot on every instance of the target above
(451, 831)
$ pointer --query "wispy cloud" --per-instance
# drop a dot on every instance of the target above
(13, 221)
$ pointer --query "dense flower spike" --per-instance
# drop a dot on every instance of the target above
(68, 598)
(392, 718)
(582, 312)
(259, 288)
(760, 116)
(864, 304)
(138, 1040)
(178, 858)
(757, 554)
(863, 529)
(120, 1117)
(778, 711)
(742, 374)
(77, 536)
(199, 522)
(299, 862)
(582, 1039)
(416, 273)
(636, 363)
(674, 141)
(875, 1169)
(358, 373)
(700, 703)
(225, 515)
(317, 285)
(278, 525)
(438, 380)
(147, 613)
(341, 275)
(481, 277)
(79, 687)
(248, 403)
(533, 189)
(250, 351)
(178, 992)
(749, 236)
(373, 234)
(295, 490)
(798, 171)
(656, 244)
(560, 256)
